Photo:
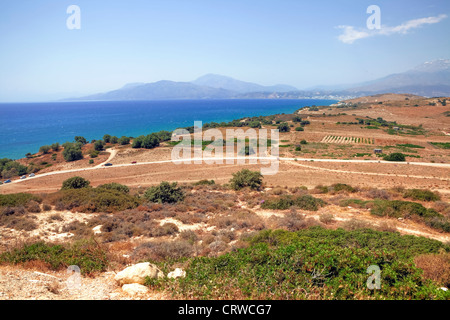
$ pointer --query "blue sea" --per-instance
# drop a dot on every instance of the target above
(27, 126)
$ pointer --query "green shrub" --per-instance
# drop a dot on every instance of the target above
(394, 157)
(305, 202)
(115, 186)
(420, 194)
(164, 193)
(98, 145)
(325, 264)
(75, 183)
(72, 152)
(17, 199)
(95, 200)
(124, 140)
(55, 146)
(44, 149)
(299, 129)
(246, 178)
(85, 254)
(204, 182)
(283, 127)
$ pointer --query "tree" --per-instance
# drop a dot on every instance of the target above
(284, 127)
(164, 135)
(29, 155)
(114, 140)
(55, 146)
(164, 193)
(255, 124)
(148, 142)
(394, 157)
(44, 149)
(81, 140)
(246, 178)
(107, 138)
(72, 152)
(124, 140)
(75, 183)
(98, 145)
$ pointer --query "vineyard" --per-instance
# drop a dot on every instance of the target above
(347, 140)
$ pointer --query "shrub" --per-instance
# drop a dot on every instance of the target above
(81, 140)
(124, 140)
(305, 202)
(44, 149)
(436, 267)
(164, 250)
(337, 187)
(164, 193)
(55, 146)
(115, 186)
(107, 138)
(246, 178)
(17, 199)
(75, 183)
(95, 200)
(114, 140)
(87, 255)
(422, 195)
(283, 127)
(299, 129)
(72, 152)
(303, 142)
(326, 218)
(204, 182)
(394, 157)
(91, 161)
(98, 145)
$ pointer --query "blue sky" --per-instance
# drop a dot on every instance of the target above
(301, 43)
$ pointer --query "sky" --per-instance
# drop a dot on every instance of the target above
(300, 43)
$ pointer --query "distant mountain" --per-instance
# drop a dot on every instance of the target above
(227, 83)
(162, 90)
(429, 79)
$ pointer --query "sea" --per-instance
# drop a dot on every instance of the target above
(25, 127)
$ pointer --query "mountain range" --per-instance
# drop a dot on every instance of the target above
(430, 79)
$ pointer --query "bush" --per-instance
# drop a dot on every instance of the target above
(115, 186)
(95, 200)
(148, 142)
(72, 152)
(422, 195)
(55, 146)
(246, 178)
(114, 140)
(75, 183)
(98, 145)
(164, 193)
(44, 149)
(81, 140)
(124, 140)
(107, 138)
(84, 254)
(305, 202)
(394, 157)
(299, 129)
(326, 264)
(204, 182)
(283, 127)
(17, 199)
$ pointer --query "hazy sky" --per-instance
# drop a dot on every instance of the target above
(301, 43)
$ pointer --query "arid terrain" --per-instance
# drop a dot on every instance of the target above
(335, 148)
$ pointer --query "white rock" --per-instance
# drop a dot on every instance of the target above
(137, 273)
(134, 289)
(97, 229)
(177, 273)
(443, 288)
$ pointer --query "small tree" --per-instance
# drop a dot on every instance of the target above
(246, 178)
(55, 146)
(124, 140)
(164, 193)
(107, 138)
(72, 152)
(81, 140)
(75, 183)
(98, 145)
(44, 149)
(114, 140)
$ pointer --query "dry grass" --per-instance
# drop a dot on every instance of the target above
(436, 267)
